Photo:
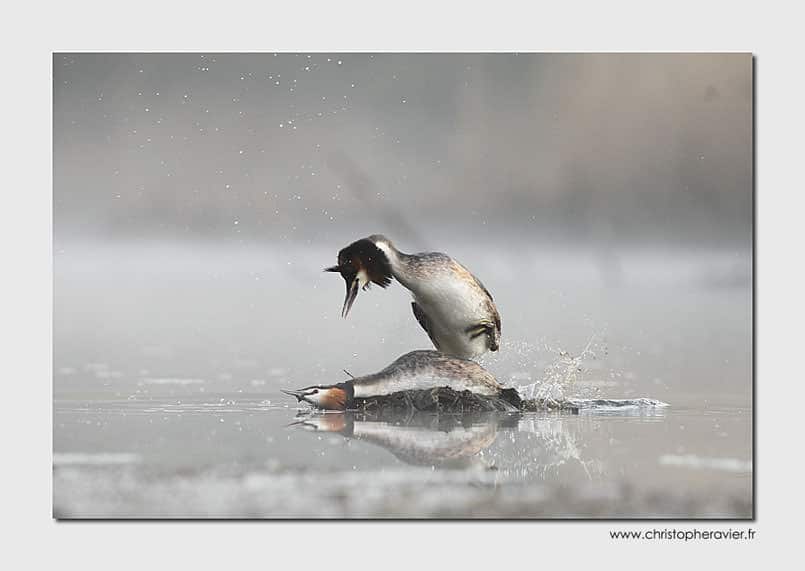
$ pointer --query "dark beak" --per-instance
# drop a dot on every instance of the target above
(352, 293)
(300, 395)
(352, 287)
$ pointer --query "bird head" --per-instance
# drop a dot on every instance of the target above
(327, 397)
(361, 264)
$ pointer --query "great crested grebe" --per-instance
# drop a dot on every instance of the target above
(452, 305)
(413, 371)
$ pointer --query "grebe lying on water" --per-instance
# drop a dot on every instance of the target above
(417, 370)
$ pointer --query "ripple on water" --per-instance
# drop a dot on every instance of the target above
(617, 405)
(95, 459)
(700, 462)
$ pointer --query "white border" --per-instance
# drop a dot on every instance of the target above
(772, 32)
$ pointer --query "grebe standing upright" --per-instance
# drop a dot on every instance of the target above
(452, 305)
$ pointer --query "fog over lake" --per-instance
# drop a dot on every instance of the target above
(604, 200)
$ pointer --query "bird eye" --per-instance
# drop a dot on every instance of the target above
(315, 392)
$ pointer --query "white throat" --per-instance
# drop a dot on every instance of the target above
(363, 278)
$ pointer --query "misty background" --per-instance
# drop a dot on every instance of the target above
(605, 200)
(650, 149)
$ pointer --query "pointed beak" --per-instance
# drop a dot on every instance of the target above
(300, 395)
(352, 287)
(352, 293)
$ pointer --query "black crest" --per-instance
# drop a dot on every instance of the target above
(361, 256)
(364, 255)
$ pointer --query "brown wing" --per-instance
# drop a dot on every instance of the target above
(423, 321)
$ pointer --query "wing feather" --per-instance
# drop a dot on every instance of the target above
(423, 320)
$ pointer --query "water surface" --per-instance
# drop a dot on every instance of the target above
(169, 362)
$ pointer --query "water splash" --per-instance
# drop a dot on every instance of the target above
(617, 405)
(561, 377)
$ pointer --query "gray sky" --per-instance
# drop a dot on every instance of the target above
(301, 147)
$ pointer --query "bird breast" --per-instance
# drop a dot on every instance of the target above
(451, 304)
